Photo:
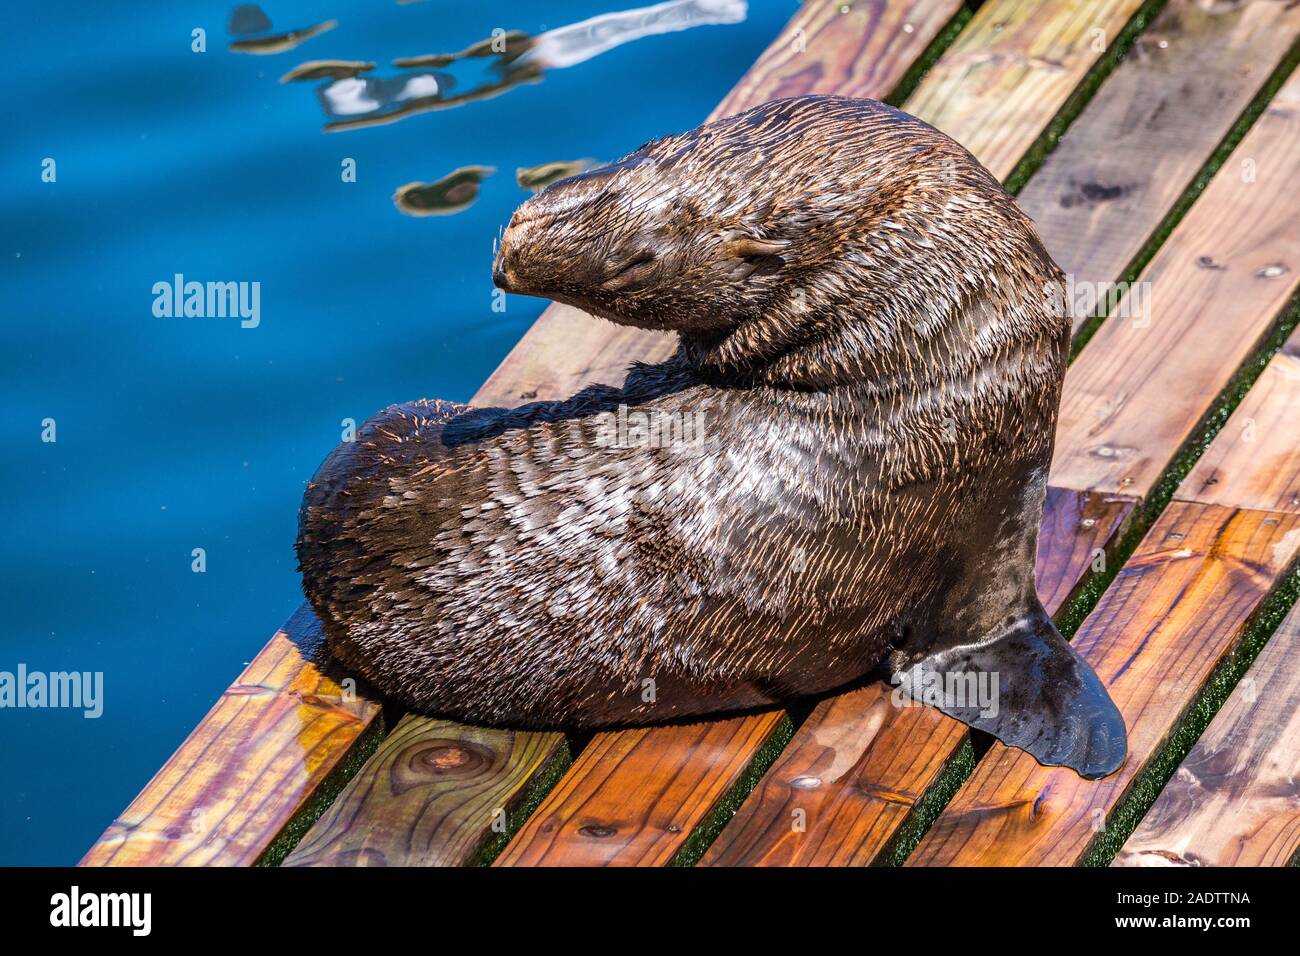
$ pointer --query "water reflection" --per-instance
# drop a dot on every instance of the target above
(507, 59)
(574, 44)
(537, 178)
(247, 18)
(280, 42)
(379, 101)
(504, 45)
(448, 195)
(327, 69)
(428, 94)
(438, 81)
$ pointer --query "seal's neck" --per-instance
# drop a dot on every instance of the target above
(876, 345)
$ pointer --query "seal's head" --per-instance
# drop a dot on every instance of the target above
(665, 238)
(805, 206)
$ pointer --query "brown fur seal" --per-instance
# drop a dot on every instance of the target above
(873, 363)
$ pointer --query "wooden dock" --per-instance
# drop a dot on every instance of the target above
(1155, 144)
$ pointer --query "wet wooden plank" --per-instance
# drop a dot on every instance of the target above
(634, 796)
(1138, 391)
(1176, 610)
(251, 765)
(564, 352)
(1125, 161)
(1261, 467)
(1013, 67)
(845, 49)
(1074, 540)
(857, 767)
(1235, 800)
(435, 795)
(843, 787)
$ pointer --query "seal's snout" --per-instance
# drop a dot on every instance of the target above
(500, 277)
(525, 249)
(548, 243)
(506, 269)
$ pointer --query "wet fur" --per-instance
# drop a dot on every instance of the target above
(865, 328)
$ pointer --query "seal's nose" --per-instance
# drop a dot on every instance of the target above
(518, 253)
(499, 277)
(501, 267)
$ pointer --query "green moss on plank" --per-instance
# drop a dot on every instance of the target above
(325, 794)
(938, 46)
(699, 841)
(533, 793)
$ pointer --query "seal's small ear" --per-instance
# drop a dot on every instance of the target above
(748, 247)
(751, 254)
(1027, 687)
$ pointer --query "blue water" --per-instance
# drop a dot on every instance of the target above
(182, 433)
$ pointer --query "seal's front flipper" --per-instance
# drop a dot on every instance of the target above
(1027, 687)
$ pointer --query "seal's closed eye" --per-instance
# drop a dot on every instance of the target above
(634, 273)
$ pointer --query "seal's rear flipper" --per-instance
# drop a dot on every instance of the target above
(1027, 687)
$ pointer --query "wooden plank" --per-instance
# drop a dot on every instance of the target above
(1261, 470)
(566, 350)
(842, 788)
(968, 95)
(1077, 530)
(562, 360)
(633, 796)
(437, 791)
(1235, 801)
(859, 49)
(1139, 389)
(1181, 343)
(1175, 611)
(251, 765)
(1124, 163)
(1006, 75)
(858, 766)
